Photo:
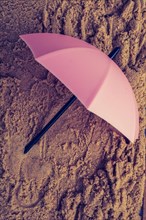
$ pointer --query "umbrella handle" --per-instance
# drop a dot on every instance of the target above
(61, 111)
(51, 122)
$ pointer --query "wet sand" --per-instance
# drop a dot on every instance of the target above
(82, 168)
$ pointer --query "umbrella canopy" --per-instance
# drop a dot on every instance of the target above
(91, 76)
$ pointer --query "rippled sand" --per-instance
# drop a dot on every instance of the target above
(82, 168)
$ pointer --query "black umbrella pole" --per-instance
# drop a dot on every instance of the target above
(57, 116)
(51, 122)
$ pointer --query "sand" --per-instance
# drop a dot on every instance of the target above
(82, 168)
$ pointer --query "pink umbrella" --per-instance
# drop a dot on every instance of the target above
(91, 76)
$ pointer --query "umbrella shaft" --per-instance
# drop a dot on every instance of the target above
(49, 125)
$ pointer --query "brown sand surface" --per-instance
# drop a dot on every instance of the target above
(82, 168)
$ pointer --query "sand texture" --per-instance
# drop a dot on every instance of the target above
(82, 169)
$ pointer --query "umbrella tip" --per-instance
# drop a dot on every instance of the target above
(117, 49)
(114, 52)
